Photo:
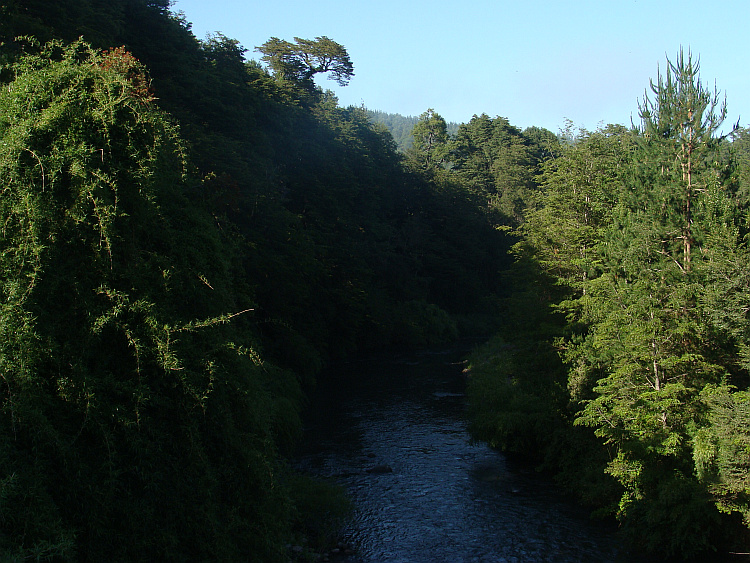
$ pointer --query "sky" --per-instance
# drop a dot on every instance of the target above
(535, 62)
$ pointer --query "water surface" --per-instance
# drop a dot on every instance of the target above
(394, 433)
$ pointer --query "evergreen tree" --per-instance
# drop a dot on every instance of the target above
(578, 191)
(494, 159)
(680, 160)
(648, 339)
(429, 149)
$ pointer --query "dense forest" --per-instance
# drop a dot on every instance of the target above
(189, 235)
(400, 126)
(622, 366)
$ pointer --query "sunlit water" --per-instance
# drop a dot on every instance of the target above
(446, 498)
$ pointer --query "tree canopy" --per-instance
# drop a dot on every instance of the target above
(302, 60)
(188, 238)
(629, 236)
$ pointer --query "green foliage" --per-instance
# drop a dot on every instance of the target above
(429, 149)
(418, 324)
(513, 396)
(667, 499)
(741, 153)
(648, 341)
(680, 160)
(299, 61)
(722, 450)
(333, 232)
(132, 424)
(495, 160)
(304, 214)
(580, 187)
(637, 238)
(321, 510)
(143, 415)
(401, 127)
(723, 301)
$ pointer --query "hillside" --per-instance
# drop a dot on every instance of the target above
(401, 126)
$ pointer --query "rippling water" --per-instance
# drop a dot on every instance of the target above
(435, 495)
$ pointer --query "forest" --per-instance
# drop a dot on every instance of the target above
(190, 235)
(401, 127)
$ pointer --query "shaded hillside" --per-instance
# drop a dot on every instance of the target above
(188, 237)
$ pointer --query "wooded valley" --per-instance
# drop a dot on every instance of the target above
(190, 235)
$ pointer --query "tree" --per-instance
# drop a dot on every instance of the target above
(303, 59)
(680, 147)
(494, 159)
(135, 418)
(649, 345)
(573, 209)
(741, 152)
(722, 450)
(430, 147)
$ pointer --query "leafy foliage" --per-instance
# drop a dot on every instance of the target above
(157, 298)
(429, 149)
(162, 308)
(637, 238)
(303, 59)
(647, 334)
(170, 432)
(495, 160)
(401, 127)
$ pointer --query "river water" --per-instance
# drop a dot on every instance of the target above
(394, 434)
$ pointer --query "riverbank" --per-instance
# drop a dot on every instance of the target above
(445, 497)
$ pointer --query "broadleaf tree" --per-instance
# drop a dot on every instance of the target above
(135, 418)
(300, 61)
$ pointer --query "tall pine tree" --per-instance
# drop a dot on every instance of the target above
(648, 341)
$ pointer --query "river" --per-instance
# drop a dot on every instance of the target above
(393, 432)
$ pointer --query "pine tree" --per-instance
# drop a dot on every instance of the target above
(648, 342)
(680, 162)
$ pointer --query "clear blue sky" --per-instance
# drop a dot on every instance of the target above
(535, 62)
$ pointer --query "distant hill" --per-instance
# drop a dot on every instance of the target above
(401, 126)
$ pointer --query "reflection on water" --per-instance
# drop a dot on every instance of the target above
(394, 433)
